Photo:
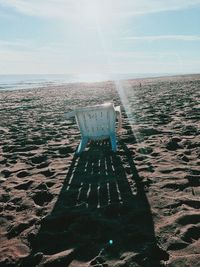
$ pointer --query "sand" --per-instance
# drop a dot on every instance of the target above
(137, 207)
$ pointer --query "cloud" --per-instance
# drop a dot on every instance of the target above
(16, 44)
(188, 38)
(27, 51)
(24, 56)
(19, 59)
(32, 61)
(127, 55)
(35, 8)
(71, 9)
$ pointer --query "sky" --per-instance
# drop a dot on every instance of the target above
(99, 36)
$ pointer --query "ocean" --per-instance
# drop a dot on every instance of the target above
(28, 81)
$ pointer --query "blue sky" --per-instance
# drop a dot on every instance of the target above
(99, 36)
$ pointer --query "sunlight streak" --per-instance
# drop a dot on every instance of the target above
(129, 111)
(93, 11)
(119, 87)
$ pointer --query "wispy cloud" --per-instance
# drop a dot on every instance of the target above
(188, 38)
(71, 9)
(155, 62)
(38, 60)
(30, 45)
(22, 50)
(132, 55)
(23, 56)
(16, 44)
(49, 59)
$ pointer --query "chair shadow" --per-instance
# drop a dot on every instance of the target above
(102, 209)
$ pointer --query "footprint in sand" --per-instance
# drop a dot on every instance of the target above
(149, 131)
(194, 180)
(24, 186)
(3, 160)
(191, 234)
(145, 150)
(188, 231)
(43, 165)
(5, 173)
(42, 198)
(39, 159)
(22, 174)
(189, 130)
(190, 218)
(173, 144)
(65, 150)
(47, 173)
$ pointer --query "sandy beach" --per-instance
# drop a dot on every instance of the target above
(136, 207)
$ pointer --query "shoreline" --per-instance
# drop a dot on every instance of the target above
(65, 83)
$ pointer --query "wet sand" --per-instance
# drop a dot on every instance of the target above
(137, 207)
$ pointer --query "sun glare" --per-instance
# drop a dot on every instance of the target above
(93, 12)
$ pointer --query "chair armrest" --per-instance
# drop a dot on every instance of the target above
(70, 114)
(118, 109)
(119, 117)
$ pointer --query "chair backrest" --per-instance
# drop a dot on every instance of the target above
(96, 122)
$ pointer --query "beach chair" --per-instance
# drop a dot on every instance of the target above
(97, 123)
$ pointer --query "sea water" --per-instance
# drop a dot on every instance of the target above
(27, 81)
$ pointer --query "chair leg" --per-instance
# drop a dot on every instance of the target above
(82, 145)
(113, 142)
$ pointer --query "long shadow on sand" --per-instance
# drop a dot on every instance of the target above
(102, 210)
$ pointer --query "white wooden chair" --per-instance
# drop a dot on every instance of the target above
(97, 123)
